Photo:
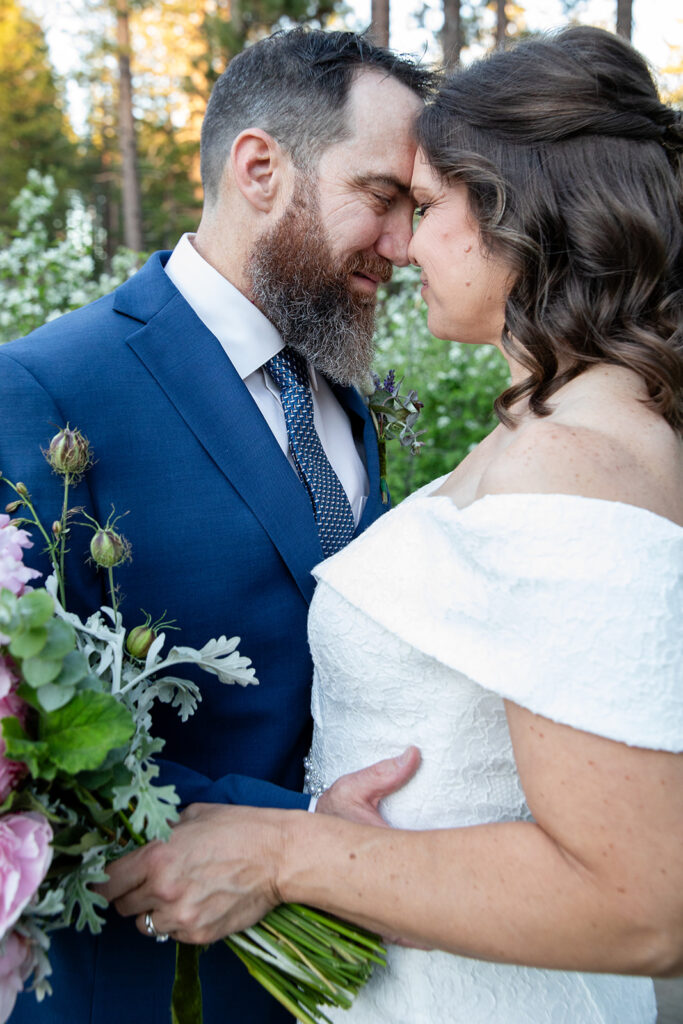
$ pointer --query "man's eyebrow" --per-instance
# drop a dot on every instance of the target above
(385, 180)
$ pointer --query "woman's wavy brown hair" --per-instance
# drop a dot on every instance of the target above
(574, 173)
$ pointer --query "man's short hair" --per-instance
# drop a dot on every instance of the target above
(294, 85)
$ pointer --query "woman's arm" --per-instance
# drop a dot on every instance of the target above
(594, 883)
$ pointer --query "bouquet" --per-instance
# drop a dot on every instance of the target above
(78, 781)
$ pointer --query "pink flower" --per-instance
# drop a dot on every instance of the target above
(25, 855)
(7, 677)
(14, 575)
(10, 771)
(16, 963)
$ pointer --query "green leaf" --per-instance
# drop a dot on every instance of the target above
(155, 806)
(109, 774)
(18, 747)
(28, 695)
(90, 682)
(102, 816)
(74, 669)
(37, 672)
(35, 608)
(8, 607)
(61, 640)
(28, 642)
(80, 735)
(79, 897)
(75, 841)
(53, 696)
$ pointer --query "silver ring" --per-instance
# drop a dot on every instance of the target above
(151, 930)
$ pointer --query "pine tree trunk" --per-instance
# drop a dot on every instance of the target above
(501, 24)
(379, 24)
(451, 33)
(130, 191)
(624, 18)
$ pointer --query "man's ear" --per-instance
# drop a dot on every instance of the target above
(260, 168)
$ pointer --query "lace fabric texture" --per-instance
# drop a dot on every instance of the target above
(420, 628)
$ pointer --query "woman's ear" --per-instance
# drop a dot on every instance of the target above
(260, 168)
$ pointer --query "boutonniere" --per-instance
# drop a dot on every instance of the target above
(394, 416)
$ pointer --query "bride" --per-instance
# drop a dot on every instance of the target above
(519, 620)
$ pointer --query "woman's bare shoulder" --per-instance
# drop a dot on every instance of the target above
(547, 456)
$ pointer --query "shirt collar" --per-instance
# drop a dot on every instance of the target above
(248, 338)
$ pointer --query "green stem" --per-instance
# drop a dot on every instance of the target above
(112, 590)
(36, 522)
(186, 998)
(140, 840)
(62, 542)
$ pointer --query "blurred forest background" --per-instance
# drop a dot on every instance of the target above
(88, 188)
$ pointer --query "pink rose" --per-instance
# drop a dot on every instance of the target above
(25, 856)
(16, 963)
(14, 575)
(10, 771)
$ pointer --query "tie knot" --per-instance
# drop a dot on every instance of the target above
(288, 369)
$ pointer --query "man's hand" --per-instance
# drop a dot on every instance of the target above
(356, 796)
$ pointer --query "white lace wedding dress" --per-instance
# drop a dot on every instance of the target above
(571, 607)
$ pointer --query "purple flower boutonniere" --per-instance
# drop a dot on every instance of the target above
(394, 416)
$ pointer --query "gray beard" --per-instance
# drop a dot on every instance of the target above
(295, 283)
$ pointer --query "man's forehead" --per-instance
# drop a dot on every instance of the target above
(377, 101)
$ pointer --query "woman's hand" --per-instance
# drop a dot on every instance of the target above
(216, 875)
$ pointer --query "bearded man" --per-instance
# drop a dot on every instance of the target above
(214, 387)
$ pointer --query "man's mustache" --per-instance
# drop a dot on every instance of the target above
(377, 267)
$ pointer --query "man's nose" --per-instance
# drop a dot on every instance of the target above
(395, 238)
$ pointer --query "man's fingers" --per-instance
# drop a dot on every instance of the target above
(355, 796)
(381, 779)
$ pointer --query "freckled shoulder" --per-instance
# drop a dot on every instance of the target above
(547, 457)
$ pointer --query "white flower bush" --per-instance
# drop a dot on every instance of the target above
(40, 279)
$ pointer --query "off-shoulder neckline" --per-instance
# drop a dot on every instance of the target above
(578, 499)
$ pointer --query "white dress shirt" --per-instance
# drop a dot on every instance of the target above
(249, 340)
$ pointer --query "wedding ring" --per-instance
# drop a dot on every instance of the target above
(151, 930)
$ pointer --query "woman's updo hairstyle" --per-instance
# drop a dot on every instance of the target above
(574, 173)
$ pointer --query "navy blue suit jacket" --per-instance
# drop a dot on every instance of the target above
(223, 541)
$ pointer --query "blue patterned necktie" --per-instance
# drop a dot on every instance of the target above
(331, 508)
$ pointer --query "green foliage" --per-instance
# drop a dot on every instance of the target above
(33, 128)
(456, 383)
(231, 24)
(170, 200)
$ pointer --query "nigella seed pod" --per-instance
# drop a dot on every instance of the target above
(139, 641)
(109, 548)
(69, 452)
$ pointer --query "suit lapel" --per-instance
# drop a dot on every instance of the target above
(190, 366)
